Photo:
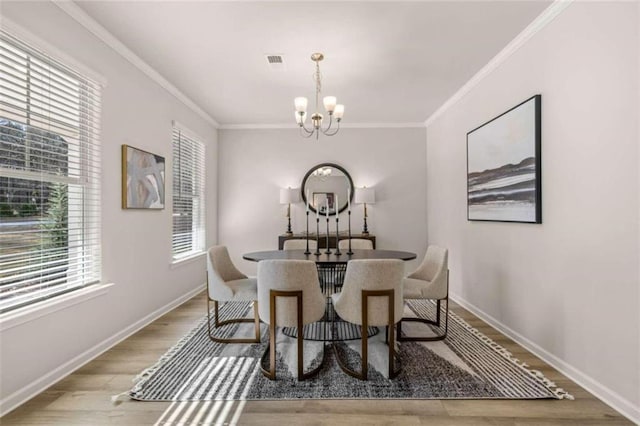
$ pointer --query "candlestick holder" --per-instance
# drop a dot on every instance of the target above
(338, 252)
(350, 252)
(317, 252)
(365, 229)
(328, 250)
(307, 252)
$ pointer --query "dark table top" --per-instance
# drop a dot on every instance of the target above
(328, 258)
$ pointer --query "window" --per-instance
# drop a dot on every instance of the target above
(188, 195)
(49, 177)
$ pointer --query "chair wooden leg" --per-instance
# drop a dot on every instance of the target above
(364, 370)
(272, 336)
(436, 323)
(218, 324)
(271, 348)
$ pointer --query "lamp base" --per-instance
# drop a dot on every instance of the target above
(366, 234)
(288, 233)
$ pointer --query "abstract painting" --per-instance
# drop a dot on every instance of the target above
(503, 166)
(142, 179)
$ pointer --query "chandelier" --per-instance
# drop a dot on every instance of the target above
(322, 173)
(335, 111)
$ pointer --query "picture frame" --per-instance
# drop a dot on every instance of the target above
(504, 166)
(319, 202)
(143, 179)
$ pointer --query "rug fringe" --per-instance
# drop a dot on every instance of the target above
(147, 372)
(119, 398)
(536, 374)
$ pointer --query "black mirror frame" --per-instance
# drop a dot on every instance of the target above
(314, 168)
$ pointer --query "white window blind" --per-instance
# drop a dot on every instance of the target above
(188, 195)
(49, 177)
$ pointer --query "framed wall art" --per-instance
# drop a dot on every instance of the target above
(143, 178)
(322, 199)
(503, 166)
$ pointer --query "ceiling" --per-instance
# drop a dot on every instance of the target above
(389, 63)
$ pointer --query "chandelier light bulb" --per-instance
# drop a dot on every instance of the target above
(338, 112)
(329, 103)
(301, 104)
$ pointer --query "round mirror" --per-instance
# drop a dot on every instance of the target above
(328, 186)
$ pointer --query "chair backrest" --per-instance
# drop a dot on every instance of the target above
(371, 274)
(290, 275)
(356, 243)
(221, 269)
(434, 268)
(299, 244)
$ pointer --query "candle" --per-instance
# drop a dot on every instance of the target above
(327, 207)
(317, 210)
(308, 201)
(337, 205)
(349, 199)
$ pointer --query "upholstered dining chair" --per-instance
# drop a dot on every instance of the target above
(371, 296)
(299, 244)
(289, 296)
(356, 243)
(429, 281)
(225, 283)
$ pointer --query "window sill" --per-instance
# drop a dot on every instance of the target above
(46, 307)
(187, 259)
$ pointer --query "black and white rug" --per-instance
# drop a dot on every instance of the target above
(467, 365)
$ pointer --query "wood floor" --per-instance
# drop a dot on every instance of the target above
(84, 397)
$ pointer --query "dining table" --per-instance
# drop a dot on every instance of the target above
(331, 272)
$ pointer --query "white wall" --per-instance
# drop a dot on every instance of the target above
(136, 244)
(568, 287)
(255, 164)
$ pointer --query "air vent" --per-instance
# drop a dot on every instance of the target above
(275, 61)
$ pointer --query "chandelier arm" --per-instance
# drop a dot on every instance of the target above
(335, 131)
(303, 127)
(325, 131)
(305, 133)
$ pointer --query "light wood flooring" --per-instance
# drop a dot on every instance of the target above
(84, 397)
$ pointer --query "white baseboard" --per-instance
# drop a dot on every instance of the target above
(21, 396)
(608, 396)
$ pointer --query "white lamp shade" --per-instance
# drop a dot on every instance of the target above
(301, 104)
(289, 195)
(329, 103)
(339, 111)
(365, 195)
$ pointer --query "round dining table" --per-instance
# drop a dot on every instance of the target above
(331, 271)
(329, 259)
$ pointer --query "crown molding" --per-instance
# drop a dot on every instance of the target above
(75, 12)
(293, 126)
(51, 51)
(548, 15)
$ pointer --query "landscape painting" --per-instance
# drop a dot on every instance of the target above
(503, 166)
(142, 179)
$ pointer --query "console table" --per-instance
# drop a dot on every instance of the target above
(323, 239)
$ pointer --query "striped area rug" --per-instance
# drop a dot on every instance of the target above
(467, 365)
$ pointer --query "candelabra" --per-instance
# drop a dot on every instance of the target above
(328, 250)
(350, 252)
(317, 252)
(338, 252)
(307, 235)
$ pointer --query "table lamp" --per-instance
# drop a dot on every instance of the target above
(289, 196)
(365, 196)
